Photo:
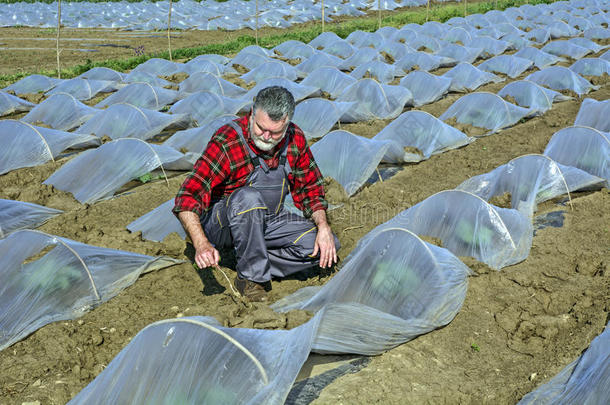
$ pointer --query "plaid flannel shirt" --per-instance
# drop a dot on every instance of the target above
(225, 166)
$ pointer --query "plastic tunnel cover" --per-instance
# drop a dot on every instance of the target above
(330, 80)
(531, 95)
(594, 114)
(102, 73)
(16, 215)
(96, 174)
(10, 104)
(468, 226)
(510, 65)
(141, 95)
(144, 77)
(83, 89)
(203, 81)
(317, 116)
(591, 67)
(485, 110)
(299, 91)
(380, 71)
(196, 139)
(33, 84)
(199, 361)
(158, 223)
(530, 180)
(465, 77)
(60, 111)
(561, 78)
(205, 106)
(158, 67)
(422, 131)
(319, 59)
(25, 145)
(350, 159)
(585, 148)
(541, 59)
(268, 70)
(63, 283)
(374, 100)
(425, 87)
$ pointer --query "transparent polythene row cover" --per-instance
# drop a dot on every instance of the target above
(374, 100)
(530, 180)
(158, 223)
(141, 95)
(25, 145)
(196, 139)
(317, 116)
(33, 84)
(48, 278)
(584, 381)
(594, 114)
(84, 89)
(467, 225)
(465, 77)
(330, 80)
(561, 78)
(204, 106)
(530, 95)
(60, 111)
(10, 104)
(16, 215)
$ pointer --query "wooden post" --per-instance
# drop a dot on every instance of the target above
(465, 4)
(379, 14)
(322, 15)
(427, 10)
(58, 28)
(169, 26)
(256, 31)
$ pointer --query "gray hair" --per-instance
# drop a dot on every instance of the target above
(276, 101)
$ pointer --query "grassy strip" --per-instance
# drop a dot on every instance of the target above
(439, 13)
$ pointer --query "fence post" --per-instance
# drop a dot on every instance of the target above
(322, 15)
(465, 5)
(427, 10)
(58, 28)
(256, 31)
(379, 14)
(169, 26)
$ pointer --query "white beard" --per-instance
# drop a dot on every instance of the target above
(265, 146)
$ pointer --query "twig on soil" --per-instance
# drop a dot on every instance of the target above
(228, 281)
(350, 228)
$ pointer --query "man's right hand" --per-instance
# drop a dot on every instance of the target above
(206, 256)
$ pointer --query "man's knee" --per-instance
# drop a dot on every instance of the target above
(245, 200)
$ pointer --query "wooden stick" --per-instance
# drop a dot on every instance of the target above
(322, 15)
(58, 28)
(378, 14)
(169, 26)
(465, 4)
(256, 33)
(427, 10)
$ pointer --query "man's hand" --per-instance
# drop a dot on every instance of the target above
(206, 256)
(205, 253)
(325, 241)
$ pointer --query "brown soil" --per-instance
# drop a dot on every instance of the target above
(502, 201)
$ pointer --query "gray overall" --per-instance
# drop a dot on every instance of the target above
(268, 240)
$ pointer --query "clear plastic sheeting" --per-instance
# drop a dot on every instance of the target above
(60, 111)
(565, 48)
(128, 121)
(394, 287)
(97, 174)
(594, 114)
(591, 67)
(460, 53)
(324, 39)
(374, 100)
(67, 281)
(292, 49)
(584, 381)
(587, 43)
(510, 65)
(467, 226)
(360, 57)
(317, 116)
(196, 139)
(465, 77)
(350, 159)
(270, 69)
(422, 61)
(25, 145)
(203, 81)
(299, 91)
(83, 89)
(217, 365)
(380, 71)
(145, 77)
(205, 66)
(541, 59)
(485, 110)
(329, 80)
(16, 215)
(561, 78)
(393, 51)
(141, 95)
(33, 84)
(585, 148)
(204, 106)
(248, 60)
(103, 73)
(158, 67)
(531, 95)
(158, 223)
(597, 33)
(419, 136)
(425, 87)
(530, 180)
(319, 59)
(10, 104)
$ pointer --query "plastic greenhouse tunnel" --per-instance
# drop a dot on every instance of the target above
(565, 48)
(591, 67)
(25, 145)
(292, 49)
(205, 106)
(380, 71)
(268, 70)
(350, 159)
(128, 121)
(329, 80)
(561, 78)
(141, 95)
(485, 110)
(467, 225)
(246, 61)
(196, 139)
(422, 61)
(16, 215)
(360, 57)
(205, 66)
(584, 381)
(144, 77)
(158, 223)
(60, 111)
(465, 77)
(594, 114)
(340, 48)
(317, 116)
(530, 180)
(392, 288)
(299, 91)
(531, 95)
(585, 148)
(317, 60)
(510, 65)
(540, 58)
(10, 104)
(460, 53)
(425, 87)
(47, 278)
(217, 365)
(374, 100)
(97, 174)
(203, 81)
(103, 73)
(83, 89)
(158, 67)
(419, 135)
(33, 84)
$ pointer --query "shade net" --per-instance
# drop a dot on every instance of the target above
(418, 136)
(47, 278)
(584, 381)
(33, 84)
(591, 67)
(510, 65)
(329, 80)
(141, 95)
(10, 104)
(25, 145)
(374, 100)
(158, 223)
(60, 111)
(594, 114)
(392, 288)
(83, 89)
(350, 159)
(541, 59)
(97, 174)
(16, 215)
(582, 147)
(485, 110)
(128, 121)
(203, 81)
(317, 116)
(529, 180)
(465, 77)
(205, 106)
(468, 226)
(425, 87)
(196, 139)
(531, 95)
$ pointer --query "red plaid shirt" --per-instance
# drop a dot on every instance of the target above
(225, 166)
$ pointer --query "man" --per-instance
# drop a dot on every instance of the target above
(235, 197)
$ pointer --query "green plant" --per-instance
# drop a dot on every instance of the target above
(475, 347)
(391, 279)
(466, 232)
(51, 275)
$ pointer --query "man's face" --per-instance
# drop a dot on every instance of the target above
(265, 132)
